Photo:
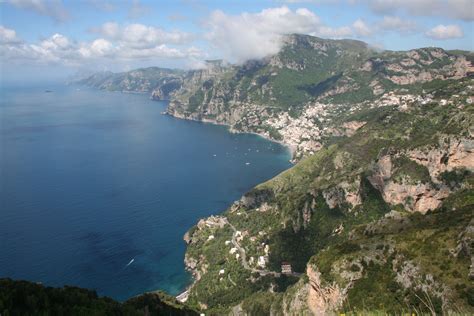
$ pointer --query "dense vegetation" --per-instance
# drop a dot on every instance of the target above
(27, 298)
(300, 227)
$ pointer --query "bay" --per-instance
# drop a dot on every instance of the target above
(98, 188)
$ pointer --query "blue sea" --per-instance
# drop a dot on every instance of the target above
(98, 188)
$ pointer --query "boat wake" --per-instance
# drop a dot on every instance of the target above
(131, 261)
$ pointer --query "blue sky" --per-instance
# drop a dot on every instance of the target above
(67, 36)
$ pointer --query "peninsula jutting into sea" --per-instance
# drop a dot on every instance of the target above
(275, 163)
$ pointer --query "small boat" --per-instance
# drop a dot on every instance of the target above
(48, 91)
(247, 163)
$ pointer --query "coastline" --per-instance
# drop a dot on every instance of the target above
(291, 149)
(184, 295)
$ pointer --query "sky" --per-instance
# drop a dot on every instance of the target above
(48, 38)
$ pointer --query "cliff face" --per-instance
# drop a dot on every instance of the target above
(415, 182)
(322, 299)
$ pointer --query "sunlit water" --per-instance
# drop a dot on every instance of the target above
(90, 180)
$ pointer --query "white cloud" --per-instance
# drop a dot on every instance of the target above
(361, 29)
(395, 23)
(109, 30)
(444, 32)
(56, 42)
(461, 9)
(8, 36)
(456, 9)
(103, 5)
(339, 32)
(52, 8)
(118, 47)
(137, 10)
(101, 47)
(142, 36)
(256, 35)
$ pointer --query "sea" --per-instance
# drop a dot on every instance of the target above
(98, 188)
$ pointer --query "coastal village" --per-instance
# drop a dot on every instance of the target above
(305, 134)
(256, 263)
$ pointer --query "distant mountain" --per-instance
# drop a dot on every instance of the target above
(266, 96)
(161, 80)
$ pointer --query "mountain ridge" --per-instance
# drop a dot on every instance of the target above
(287, 88)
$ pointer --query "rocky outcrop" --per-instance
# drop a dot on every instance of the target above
(322, 299)
(297, 302)
(410, 276)
(352, 126)
(417, 197)
(465, 247)
(344, 194)
(382, 172)
(450, 154)
(255, 199)
(416, 67)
